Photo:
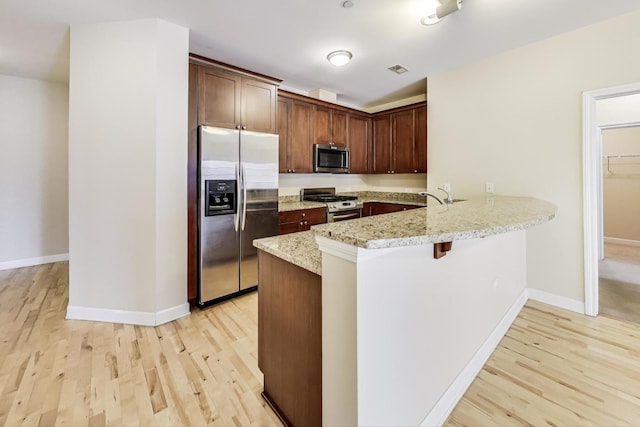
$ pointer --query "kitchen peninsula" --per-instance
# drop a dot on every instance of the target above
(359, 323)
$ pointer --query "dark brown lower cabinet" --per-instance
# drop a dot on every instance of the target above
(378, 208)
(300, 220)
(290, 340)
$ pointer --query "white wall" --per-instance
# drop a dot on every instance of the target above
(128, 93)
(400, 327)
(515, 120)
(33, 172)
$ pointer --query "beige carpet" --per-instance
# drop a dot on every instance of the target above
(619, 283)
(620, 299)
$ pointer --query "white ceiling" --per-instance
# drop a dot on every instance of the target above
(290, 39)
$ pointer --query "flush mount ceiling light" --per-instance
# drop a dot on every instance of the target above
(339, 57)
(441, 9)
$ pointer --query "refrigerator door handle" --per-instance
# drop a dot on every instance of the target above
(244, 195)
(236, 217)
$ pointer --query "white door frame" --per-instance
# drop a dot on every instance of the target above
(592, 187)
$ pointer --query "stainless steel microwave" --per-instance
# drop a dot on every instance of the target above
(330, 158)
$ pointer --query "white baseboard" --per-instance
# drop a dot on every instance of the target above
(556, 300)
(27, 262)
(173, 313)
(624, 242)
(456, 390)
(125, 316)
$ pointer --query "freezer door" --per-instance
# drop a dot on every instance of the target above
(219, 261)
(259, 218)
(219, 240)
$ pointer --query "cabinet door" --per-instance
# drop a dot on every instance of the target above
(219, 98)
(366, 209)
(339, 127)
(358, 134)
(322, 124)
(258, 106)
(300, 151)
(382, 144)
(403, 141)
(420, 149)
(284, 118)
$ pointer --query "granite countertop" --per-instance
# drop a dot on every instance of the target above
(299, 249)
(441, 223)
(296, 206)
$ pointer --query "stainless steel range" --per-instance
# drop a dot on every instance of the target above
(339, 208)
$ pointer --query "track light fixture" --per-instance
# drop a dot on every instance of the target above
(445, 8)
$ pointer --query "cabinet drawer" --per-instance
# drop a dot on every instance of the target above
(300, 220)
(312, 216)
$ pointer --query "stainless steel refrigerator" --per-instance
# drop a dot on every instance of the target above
(238, 202)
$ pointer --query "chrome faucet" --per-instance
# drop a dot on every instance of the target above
(449, 199)
(424, 193)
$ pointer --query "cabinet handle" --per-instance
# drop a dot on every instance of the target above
(301, 222)
(237, 126)
(293, 170)
(306, 223)
(415, 171)
(244, 127)
(393, 171)
(304, 214)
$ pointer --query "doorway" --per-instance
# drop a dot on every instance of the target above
(592, 182)
(619, 268)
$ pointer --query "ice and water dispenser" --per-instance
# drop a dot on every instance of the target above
(220, 197)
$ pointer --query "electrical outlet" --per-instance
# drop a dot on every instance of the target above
(489, 187)
(447, 187)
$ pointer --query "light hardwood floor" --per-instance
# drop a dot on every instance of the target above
(198, 370)
(552, 368)
(558, 368)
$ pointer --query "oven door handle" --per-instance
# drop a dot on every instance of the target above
(351, 215)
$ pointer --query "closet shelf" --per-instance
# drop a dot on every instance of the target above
(618, 156)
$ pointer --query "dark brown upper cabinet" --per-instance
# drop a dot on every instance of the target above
(400, 140)
(296, 132)
(393, 141)
(231, 100)
(330, 126)
(359, 141)
(420, 148)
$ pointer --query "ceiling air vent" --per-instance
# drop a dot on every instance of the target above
(398, 69)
